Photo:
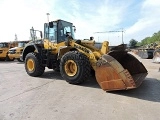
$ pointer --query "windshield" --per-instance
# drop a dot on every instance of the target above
(64, 28)
(56, 31)
(2, 45)
(21, 44)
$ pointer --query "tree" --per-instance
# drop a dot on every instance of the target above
(139, 44)
(132, 43)
(155, 38)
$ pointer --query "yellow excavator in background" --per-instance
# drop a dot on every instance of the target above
(115, 69)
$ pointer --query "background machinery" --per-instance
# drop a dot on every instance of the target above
(146, 52)
(75, 59)
(16, 52)
(150, 51)
(4, 47)
(156, 54)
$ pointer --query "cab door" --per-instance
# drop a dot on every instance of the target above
(50, 37)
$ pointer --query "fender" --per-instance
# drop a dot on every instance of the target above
(30, 48)
(64, 49)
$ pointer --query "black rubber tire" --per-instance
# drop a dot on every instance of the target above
(92, 72)
(2, 59)
(19, 60)
(38, 70)
(83, 65)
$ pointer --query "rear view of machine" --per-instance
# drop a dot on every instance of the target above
(115, 69)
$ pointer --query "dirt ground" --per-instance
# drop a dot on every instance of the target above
(50, 97)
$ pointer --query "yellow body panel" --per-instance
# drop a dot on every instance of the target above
(3, 52)
(53, 46)
(88, 49)
(17, 54)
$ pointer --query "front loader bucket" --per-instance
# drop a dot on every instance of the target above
(156, 56)
(119, 70)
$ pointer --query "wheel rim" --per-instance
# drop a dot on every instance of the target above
(30, 64)
(70, 68)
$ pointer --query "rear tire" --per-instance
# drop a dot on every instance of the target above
(75, 67)
(33, 66)
(2, 59)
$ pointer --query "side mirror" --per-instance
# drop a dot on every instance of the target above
(74, 28)
(91, 38)
(51, 24)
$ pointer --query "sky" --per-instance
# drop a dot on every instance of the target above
(137, 18)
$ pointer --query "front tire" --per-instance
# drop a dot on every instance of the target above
(33, 66)
(75, 67)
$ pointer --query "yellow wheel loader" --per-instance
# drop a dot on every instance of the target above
(115, 69)
(16, 52)
(4, 47)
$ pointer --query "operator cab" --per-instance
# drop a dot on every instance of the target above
(4, 45)
(22, 43)
(57, 31)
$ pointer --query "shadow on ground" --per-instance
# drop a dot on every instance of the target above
(91, 82)
(20, 62)
(149, 90)
(52, 75)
